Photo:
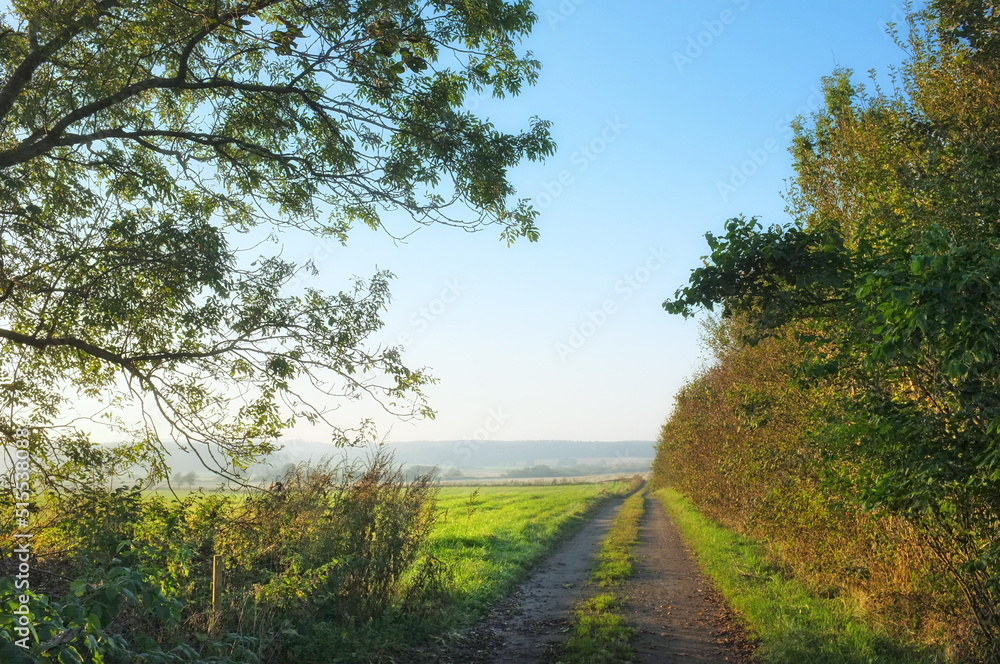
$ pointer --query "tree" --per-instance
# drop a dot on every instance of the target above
(891, 273)
(189, 478)
(139, 143)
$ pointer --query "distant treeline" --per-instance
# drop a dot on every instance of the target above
(462, 454)
(850, 416)
(579, 470)
(539, 471)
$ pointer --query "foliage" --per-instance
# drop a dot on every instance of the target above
(880, 301)
(140, 143)
(750, 270)
(82, 626)
(341, 536)
(338, 544)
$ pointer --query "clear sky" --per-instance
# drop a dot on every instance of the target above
(656, 107)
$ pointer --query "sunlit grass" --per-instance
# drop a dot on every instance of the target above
(792, 623)
(614, 562)
(600, 634)
(489, 545)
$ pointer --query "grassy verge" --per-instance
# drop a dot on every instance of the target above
(792, 623)
(600, 634)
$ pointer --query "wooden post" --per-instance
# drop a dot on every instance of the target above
(216, 586)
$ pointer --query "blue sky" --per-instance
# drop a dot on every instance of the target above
(656, 107)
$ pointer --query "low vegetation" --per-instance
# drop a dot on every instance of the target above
(345, 562)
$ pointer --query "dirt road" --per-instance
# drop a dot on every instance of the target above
(526, 627)
(676, 615)
(671, 605)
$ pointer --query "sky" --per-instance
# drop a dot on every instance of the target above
(670, 118)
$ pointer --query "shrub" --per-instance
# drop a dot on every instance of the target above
(311, 564)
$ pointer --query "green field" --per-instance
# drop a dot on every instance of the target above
(489, 546)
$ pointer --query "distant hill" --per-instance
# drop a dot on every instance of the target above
(496, 453)
(461, 454)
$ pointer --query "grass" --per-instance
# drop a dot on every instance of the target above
(614, 562)
(600, 634)
(487, 539)
(490, 547)
(792, 624)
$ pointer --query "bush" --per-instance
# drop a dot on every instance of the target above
(311, 563)
(738, 444)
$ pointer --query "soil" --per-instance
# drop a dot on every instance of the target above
(676, 614)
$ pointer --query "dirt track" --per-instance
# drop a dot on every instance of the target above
(676, 615)
(671, 605)
(527, 626)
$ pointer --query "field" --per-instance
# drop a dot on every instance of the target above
(489, 536)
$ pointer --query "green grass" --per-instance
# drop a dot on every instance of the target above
(600, 634)
(792, 624)
(490, 547)
(486, 551)
(614, 562)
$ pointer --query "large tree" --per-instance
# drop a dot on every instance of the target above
(892, 266)
(141, 140)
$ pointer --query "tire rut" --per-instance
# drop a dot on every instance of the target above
(672, 606)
